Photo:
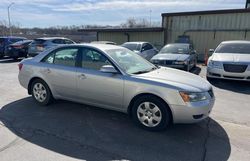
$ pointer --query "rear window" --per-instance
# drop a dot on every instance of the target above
(58, 41)
(39, 41)
(239, 48)
(132, 47)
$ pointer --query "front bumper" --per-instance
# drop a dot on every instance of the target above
(221, 74)
(192, 112)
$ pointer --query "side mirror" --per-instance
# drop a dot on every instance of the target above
(211, 50)
(108, 69)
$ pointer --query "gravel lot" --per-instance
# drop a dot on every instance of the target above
(70, 131)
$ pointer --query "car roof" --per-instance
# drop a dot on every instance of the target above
(136, 42)
(12, 37)
(51, 38)
(235, 42)
(179, 44)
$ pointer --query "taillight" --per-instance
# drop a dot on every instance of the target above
(18, 46)
(20, 66)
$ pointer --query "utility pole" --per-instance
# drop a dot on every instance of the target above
(150, 17)
(9, 17)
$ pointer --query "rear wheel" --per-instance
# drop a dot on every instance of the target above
(41, 92)
(151, 113)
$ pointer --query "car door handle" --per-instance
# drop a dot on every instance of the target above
(82, 76)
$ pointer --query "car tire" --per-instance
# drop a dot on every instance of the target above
(41, 92)
(187, 67)
(151, 113)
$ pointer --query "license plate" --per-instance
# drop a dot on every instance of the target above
(39, 48)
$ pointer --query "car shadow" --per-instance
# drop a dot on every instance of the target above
(93, 134)
(232, 85)
(9, 60)
(196, 70)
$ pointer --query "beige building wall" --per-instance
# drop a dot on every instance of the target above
(208, 30)
(156, 38)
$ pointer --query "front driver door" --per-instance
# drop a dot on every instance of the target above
(96, 87)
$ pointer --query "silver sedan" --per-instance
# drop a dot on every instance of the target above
(231, 60)
(116, 78)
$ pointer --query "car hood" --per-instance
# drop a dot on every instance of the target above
(177, 79)
(230, 57)
(169, 56)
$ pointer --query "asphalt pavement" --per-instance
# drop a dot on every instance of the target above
(69, 131)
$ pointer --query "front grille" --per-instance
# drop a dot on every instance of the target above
(235, 68)
(211, 93)
(169, 62)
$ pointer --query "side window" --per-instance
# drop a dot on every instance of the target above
(66, 41)
(146, 47)
(58, 41)
(49, 58)
(66, 57)
(92, 59)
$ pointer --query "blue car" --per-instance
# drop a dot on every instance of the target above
(6, 41)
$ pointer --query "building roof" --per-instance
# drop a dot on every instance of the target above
(151, 29)
(206, 12)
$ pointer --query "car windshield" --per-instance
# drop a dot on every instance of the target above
(130, 62)
(175, 49)
(243, 48)
(132, 47)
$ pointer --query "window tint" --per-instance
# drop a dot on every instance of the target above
(132, 47)
(243, 48)
(49, 58)
(146, 47)
(66, 57)
(92, 59)
(66, 41)
(58, 41)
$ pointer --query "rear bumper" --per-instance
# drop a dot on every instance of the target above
(192, 112)
(221, 74)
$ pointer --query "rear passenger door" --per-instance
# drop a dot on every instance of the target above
(60, 71)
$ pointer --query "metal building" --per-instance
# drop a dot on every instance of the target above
(121, 35)
(206, 29)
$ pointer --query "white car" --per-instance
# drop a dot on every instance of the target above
(144, 49)
(230, 60)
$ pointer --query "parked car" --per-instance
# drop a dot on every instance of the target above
(176, 55)
(103, 42)
(144, 49)
(230, 60)
(18, 49)
(41, 44)
(6, 41)
(116, 78)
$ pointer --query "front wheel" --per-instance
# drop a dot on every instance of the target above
(151, 113)
(41, 92)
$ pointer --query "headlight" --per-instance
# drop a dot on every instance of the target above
(193, 97)
(214, 64)
(179, 62)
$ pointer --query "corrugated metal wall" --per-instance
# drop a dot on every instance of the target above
(207, 31)
(156, 38)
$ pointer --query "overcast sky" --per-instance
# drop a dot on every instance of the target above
(45, 13)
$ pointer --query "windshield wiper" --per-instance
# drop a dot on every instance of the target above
(145, 71)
